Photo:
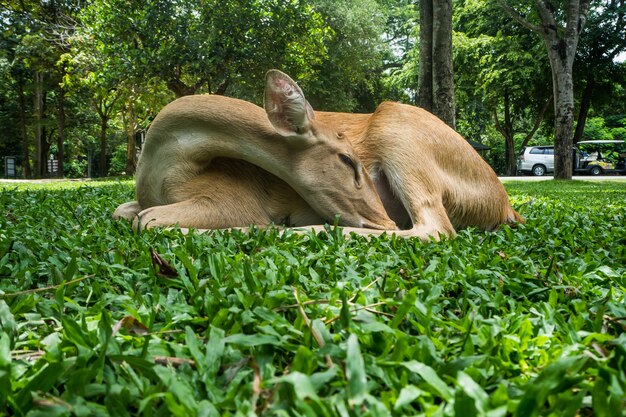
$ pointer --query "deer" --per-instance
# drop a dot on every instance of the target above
(212, 162)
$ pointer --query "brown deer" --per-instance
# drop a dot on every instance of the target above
(213, 162)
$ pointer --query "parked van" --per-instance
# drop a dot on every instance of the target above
(536, 160)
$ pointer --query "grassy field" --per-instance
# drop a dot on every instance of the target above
(96, 319)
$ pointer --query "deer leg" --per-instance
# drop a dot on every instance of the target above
(127, 211)
(203, 213)
(429, 220)
(411, 204)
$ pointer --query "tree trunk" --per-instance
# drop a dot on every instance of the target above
(563, 87)
(179, 88)
(131, 155)
(585, 104)
(561, 54)
(130, 127)
(23, 125)
(509, 156)
(61, 133)
(104, 110)
(443, 75)
(40, 163)
(508, 132)
(103, 146)
(436, 81)
(221, 89)
(425, 80)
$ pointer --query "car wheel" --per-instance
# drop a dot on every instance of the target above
(596, 170)
(539, 170)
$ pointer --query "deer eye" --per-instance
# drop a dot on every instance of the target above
(354, 166)
(340, 135)
(347, 160)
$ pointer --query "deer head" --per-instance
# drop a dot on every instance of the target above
(322, 167)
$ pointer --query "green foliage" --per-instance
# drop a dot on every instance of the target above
(212, 46)
(596, 128)
(118, 161)
(75, 169)
(354, 49)
(501, 72)
(96, 319)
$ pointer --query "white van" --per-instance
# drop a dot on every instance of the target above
(536, 160)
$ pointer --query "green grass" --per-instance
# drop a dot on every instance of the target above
(525, 321)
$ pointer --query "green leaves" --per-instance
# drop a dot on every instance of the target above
(430, 377)
(5, 368)
(521, 321)
(141, 41)
(355, 372)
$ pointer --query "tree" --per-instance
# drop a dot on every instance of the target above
(504, 75)
(604, 40)
(560, 31)
(97, 78)
(36, 33)
(436, 76)
(107, 84)
(141, 102)
(210, 46)
(14, 82)
(400, 75)
(38, 56)
(345, 77)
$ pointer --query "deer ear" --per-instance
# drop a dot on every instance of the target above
(285, 105)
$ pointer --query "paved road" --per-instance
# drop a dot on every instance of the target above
(620, 178)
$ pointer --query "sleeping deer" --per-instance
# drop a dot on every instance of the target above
(213, 162)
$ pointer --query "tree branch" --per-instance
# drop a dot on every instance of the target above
(497, 122)
(583, 10)
(538, 121)
(518, 17)
(546, 14)
(573, 26)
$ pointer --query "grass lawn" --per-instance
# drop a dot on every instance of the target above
(96, 319)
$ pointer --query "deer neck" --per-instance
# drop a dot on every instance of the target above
(208, 127)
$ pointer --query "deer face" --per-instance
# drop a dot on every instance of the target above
(323, 166)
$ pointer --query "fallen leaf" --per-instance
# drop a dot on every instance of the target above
(132, 325)
(161, 266)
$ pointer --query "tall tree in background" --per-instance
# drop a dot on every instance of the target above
(436, 76)
(103, 81)
(560, 31)
(15, 79)
(505, 75)
(37, 32)
(212, 46)
(604, 40)
(345, 78)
